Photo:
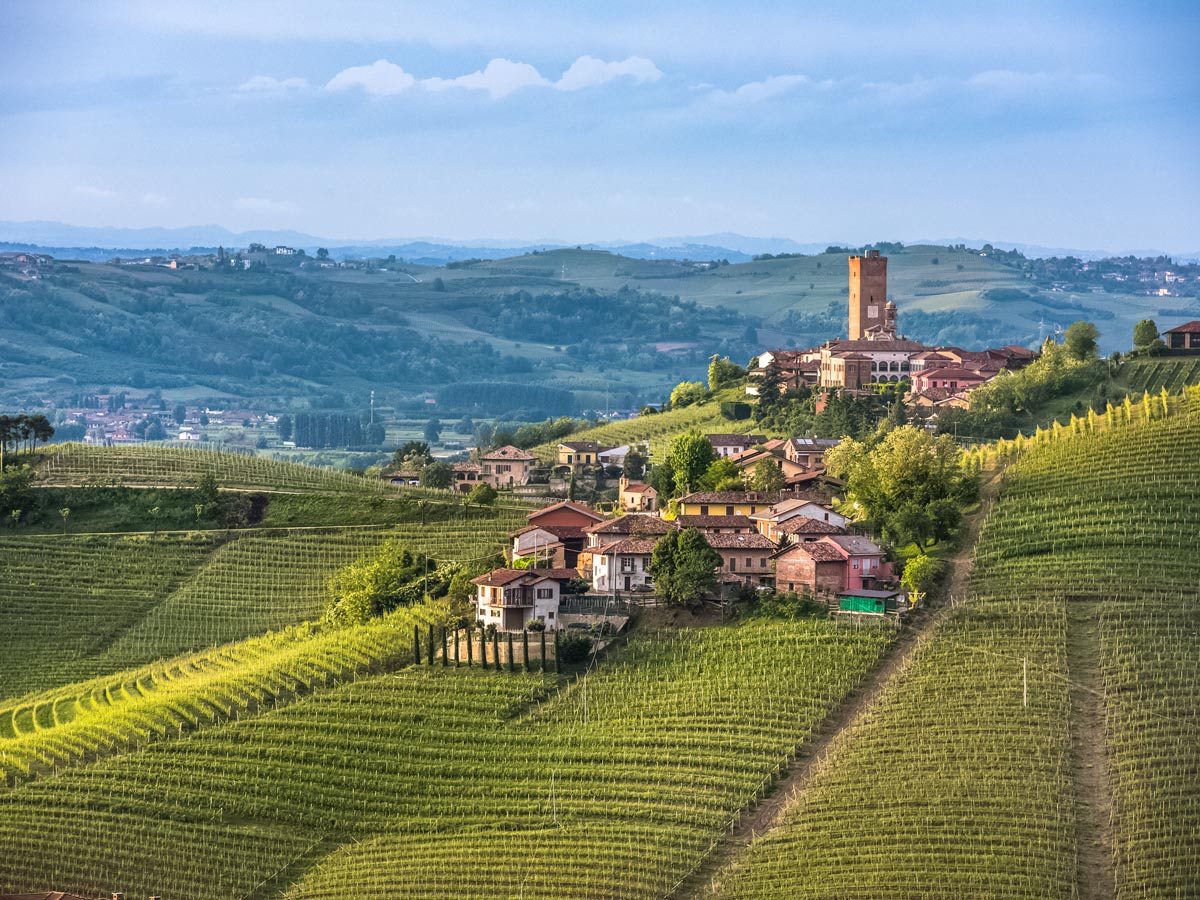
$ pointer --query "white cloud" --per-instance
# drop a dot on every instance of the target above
(499, 78)
(587, 71)
(381, 78)
(263, 205)
(265, 84)
(94, 193)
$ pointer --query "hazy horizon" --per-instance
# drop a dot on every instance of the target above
(1061, 125)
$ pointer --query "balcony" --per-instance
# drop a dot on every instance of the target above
(514, 598)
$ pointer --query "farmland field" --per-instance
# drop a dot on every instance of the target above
(1044, 741)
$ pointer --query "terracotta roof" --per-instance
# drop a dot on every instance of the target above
(637, 487)
(501, 577)
(1185, 328)
(807, 525)
(509, 452)
(950, 372)
(899, 345)
(584, 446)
(932, 355)
(817, 550)
(562, 532)
(752, 541)
(734, 440)
(714, 522)
(755, 497)
(560, 574)
(567, 504)
(628, 545)
(467, 467)
(631, 524)
(787, 505)
(855, 544)
(849, 354)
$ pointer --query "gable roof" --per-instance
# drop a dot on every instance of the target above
(751, 541)
(855, 544)
(818, 551)
(583, 446)
(628, 545)
(638, 487)
(632, 524)
(510, 453)
(808, 525)
(502, 577)
(734, 440)
(567, 504)
(756, 497)
(789, 505)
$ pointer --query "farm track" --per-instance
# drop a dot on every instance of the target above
(1094, 874)
(822, 747)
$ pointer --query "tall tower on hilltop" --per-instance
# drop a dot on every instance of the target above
(868, 296)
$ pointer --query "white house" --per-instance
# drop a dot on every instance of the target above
(769, 520)
(623, 565)
(512, 598)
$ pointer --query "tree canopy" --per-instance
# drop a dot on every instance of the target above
(684, 567)
(910, 483)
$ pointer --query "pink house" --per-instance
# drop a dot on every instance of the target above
(951, 378)
(865, 561)
(831, 564)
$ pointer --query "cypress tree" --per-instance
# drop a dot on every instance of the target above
(543, 653)
(525, 658)
(417, 644)
(496, 650)
(456, 648)
(470, 647)
(511, 663)
(556, 669)
(429, 647)
(445, 655)
(482, 648)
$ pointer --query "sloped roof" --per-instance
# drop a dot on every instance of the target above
(734, 440)
(1185, 328)
(567, 504)
(819, 551)
(751, 541)
(628, 545)
(855, 544)
(509, 453)
(584, 446)
(808, 525)
(631, 524)
(735, 497)
(638, 487)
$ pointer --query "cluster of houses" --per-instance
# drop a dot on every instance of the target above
(790, 540)
(874, 353)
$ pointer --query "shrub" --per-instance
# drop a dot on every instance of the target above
(574, 648)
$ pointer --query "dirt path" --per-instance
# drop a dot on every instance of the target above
(1094, 876)
(823, 745)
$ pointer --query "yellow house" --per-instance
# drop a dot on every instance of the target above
(580, 453)
(728, 503)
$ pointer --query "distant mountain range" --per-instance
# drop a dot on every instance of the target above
(99, 243)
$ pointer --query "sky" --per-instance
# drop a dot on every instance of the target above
(1062, 124)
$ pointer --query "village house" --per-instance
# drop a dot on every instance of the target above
(830, 565)
(577, 454)
(792, 368)
(506, 466)
(733, 444)
(1184, 337)
(631, 525)
(467, 475)
(728, 503)
(623, 565)
(773, 453)
(555, 535)
(770, 521)
(745, 555)
(512, 598)
(636, 496)
(717, 524)
(808, 452)
(950, 378)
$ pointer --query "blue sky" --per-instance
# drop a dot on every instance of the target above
(1067, 124)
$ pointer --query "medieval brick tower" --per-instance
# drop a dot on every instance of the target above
(868, 296)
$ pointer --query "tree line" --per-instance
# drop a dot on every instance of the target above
(22, 433)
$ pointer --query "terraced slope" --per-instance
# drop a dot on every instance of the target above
(970, 781)
(616, 787)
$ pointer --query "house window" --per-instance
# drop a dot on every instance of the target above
(732, 564)
(729, 510)
(749, 563)
(549, 615)
(545, 594)
(856, 564)
(762, 563)
(704, 510)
